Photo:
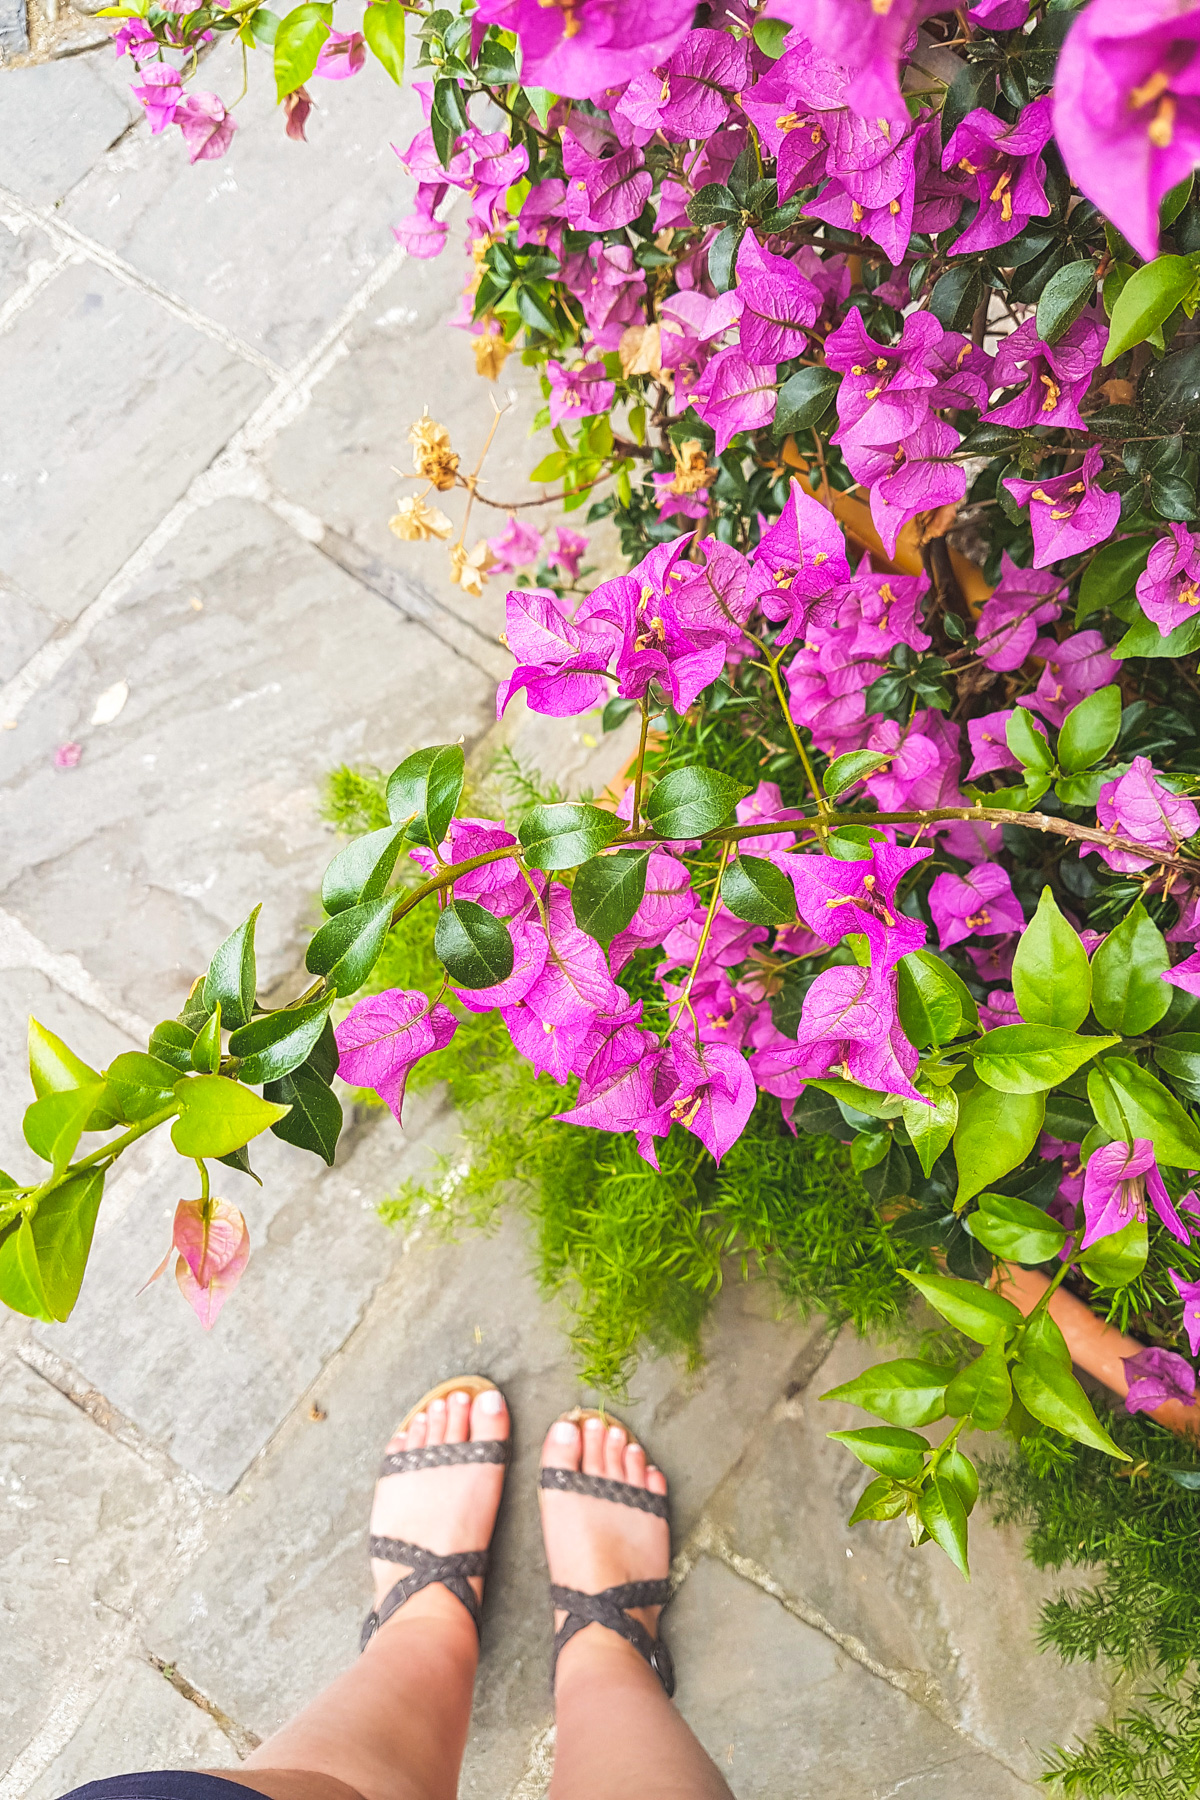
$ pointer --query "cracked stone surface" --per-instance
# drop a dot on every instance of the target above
(208, 375)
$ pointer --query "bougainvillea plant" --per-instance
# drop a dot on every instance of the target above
(876, 320)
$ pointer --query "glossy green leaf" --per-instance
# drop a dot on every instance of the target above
(1178, 1056)
(982, 1391)
(1130, 1102)
(232, 978)
(496, 65)
(889, 1449)
(298, 41)
(942, 1513)
(1015, 1230)
(1115, 1260)
(1028, 741)
(447, 118)
(931, 1127)
(274, 1044)
(955, 296)
(54, 1124)
(935, 1004)
(315, 1116)
(474, 946)
(755, 890)
(1128, 992)
(172, 1043)
(1112, 574)
(688, 802)
(62, 1230)
(1063, 299)
(21, 1287)
(1054, 1397)
(607, 892)
(53, 1068)
(995, 1132)
(959, 1471)
(142, 1084)
(1146, 302)
(362, 871)
(771, 36)
(1052, 980)
(804, 399)
(1028, 1059)
(348, 946)
(424, 791)
(206, 1047)
(905, 1392)
(217, 1115)
(855, 766)
(880, 1499)
(567, 834)
(1041, 1336)
(383, 28)
(976, 1311)
(1090, 730)
(1145, 639)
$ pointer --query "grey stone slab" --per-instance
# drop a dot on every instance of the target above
(783, 1711)
(262, 1623)
(970, 1647)
(111, 406)
(14, 33)
(56, 119)
(279, 235)
(25, 993)
(26, 253)
(85, 1533)
(213, 1399)
(24, 628)
(202, 798)
(138, 1721)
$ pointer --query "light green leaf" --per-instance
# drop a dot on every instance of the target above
(995, 1132)
(976, 1311)
(1027, 742)
(942, 1513)
(298, 41)
(1146, 302)
(905, 1392)
(1028, 1059)
(1015, 1230)
(217, 1115)
(1090, 730)
(935, 1004)
(54, 1124)
(982, 1390)
(62, 1230)
(206, 1046)
(931, 1127)
(889, 1449)
(1115, 1260)
(880, 1499)
(21, 1287)
(1130, 1102)
(1052, 981)
(1054, 1397)
(1128, 992)
(383, 28)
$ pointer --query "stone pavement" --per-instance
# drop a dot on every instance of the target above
(206, 375)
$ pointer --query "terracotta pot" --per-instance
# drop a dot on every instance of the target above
(1094, 1346)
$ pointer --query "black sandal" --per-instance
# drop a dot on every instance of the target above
(452, 1570)
(611, 1606)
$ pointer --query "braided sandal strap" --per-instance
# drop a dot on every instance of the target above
(610, 1609)
(441, 1456)
(451, 1571)
(599, 1487)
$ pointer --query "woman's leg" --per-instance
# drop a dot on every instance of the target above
(619, 1737)
(393, 1726)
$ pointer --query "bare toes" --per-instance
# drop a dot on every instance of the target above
(436, 1429)
(489, 1415)
(563, 1448)
(458, 1417)
(593, 1447)
(635, 1465)
(656, 1481)
(615, 1440)
(417, 1435)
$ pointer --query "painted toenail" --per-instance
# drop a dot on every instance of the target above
(417, 1419)
(592, 1425)
(563, 1432)
(437, 1406)
(492, 1401)
(463, 1399)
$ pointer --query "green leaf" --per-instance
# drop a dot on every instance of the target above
(1130, 1102)
(713, 204)
(217, 1115)
(1027, 743)
(844, 771)
(770, 36)
(978, 1312)
(275, 1044)
(880, 1499)
(1090, 730)
(959, 1471)
(1128, 992)
(473, 945)
(447, 118)
(1015, 1230)
(935, 1004)
(363, 870)
(298, 42)
(995, 1132)
(206, 1046)
(1063, 299)
(1179, 1056)
(232, 979)
(21, 1287)
(348, 946)
(904, 1392)
(496, 65)
(425, 789)
(1112, 574)
(688, 802)
(956, 295)
(315, 1118)
(383, 28)
(931, 1127)
(62, 1230)
(264, 26)
(982, 1391)
(896, 1453)
(142, 1084)
(1052, 980)
(754, 889)
(942, 1513)
(1115, 1260)
(567, 834)
(1080, 790)
(607, 892)
(1054, 1397)
(172, 1043)
(1027, 1059)
(1042, 1337)
(804, 399)
(53, 1069)
(1145, 639)
(1145, 303)
(54, 1124)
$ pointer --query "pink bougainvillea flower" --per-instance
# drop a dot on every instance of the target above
(342, 54)
(67, 756)
(570, 546)
(718, 595)
(421, 234)
(540, 220)
(834, 897)
(617, 1087)
(559, 660)
(1009, 619)
(381, 1038)
(531, 947)
(999, 1008)
(1005, 162)
(867, 39)
(980, 903)
(778, 302)
(690, 320)
(603, 192)
(1116, 1185)
(802, 557)
(160, 94)
(1186, 974)
(712, 1093)
(849, 1026)
(133, 37)
(499, 886)
(1189, 1293)
(886, 388)
(877, 203)
(1127, 108)
(1167, 588)
(1073, 669)
(1068, 512)
(206, 125)
(1056, 377)
(578, 393)
(581, 48)
(1137, 805)
(925, 763)
(690, 95)
(296, 107)
(214, 1248)
(914, 475)
(1155, 1376)
(515, 547)
(610, 288)
(733, 394)
(989, 744)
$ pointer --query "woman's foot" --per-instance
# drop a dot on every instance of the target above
(442, 1509)
(592, 1544)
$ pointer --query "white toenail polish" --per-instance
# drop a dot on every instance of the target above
(437, 1406)
(462, 1398)
(492, 1400)
(563, 1432)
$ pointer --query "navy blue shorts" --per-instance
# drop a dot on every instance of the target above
(161, 1784)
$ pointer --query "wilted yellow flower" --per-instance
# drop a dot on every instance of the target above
(468, 569)
(491, 351)
(432, 456)
(692, 471)
(414, 521)
(640, 350)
